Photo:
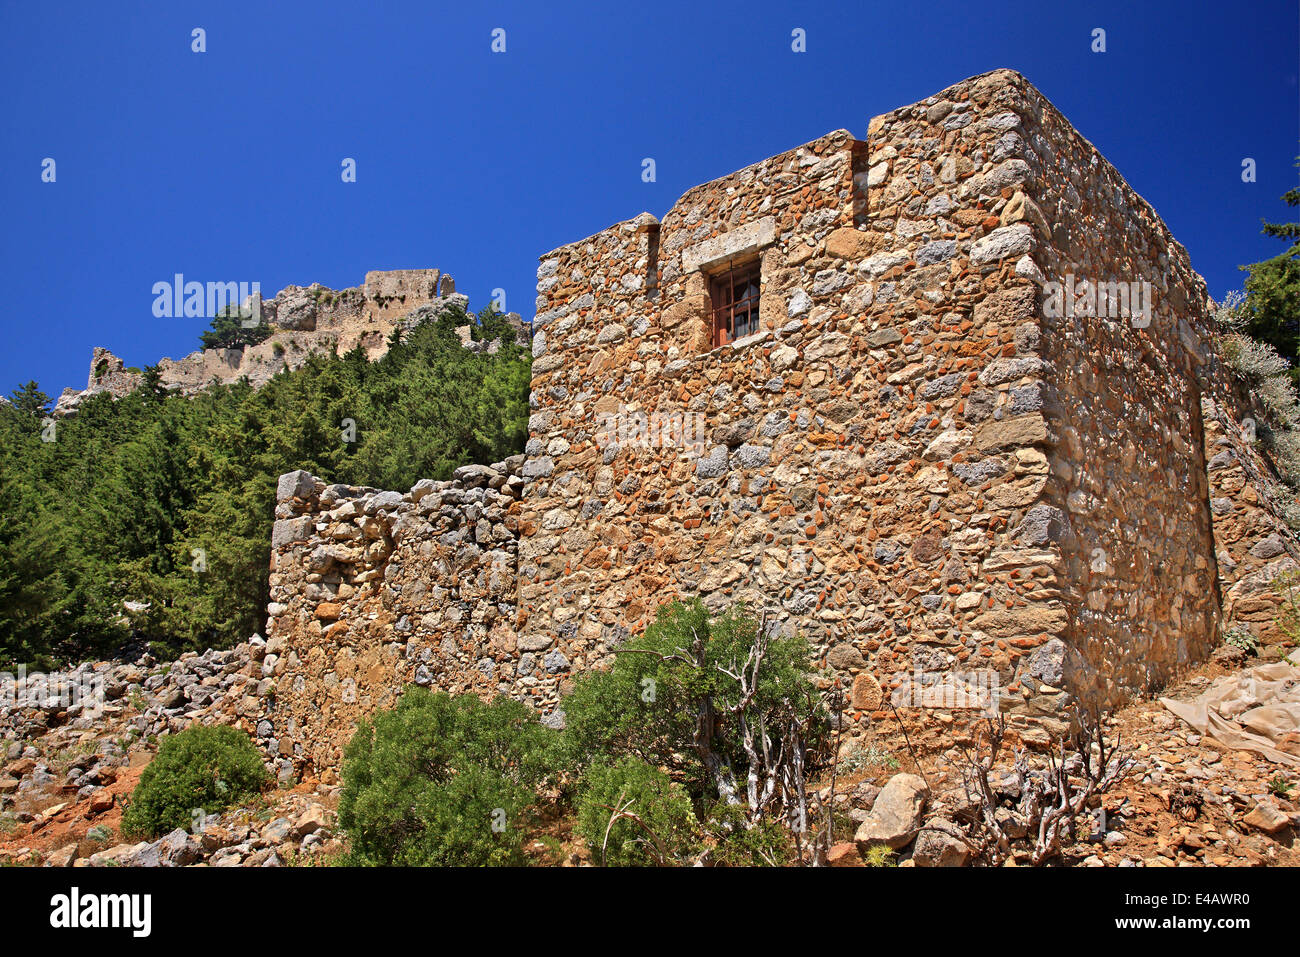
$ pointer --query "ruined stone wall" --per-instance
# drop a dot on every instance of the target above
(373, 590)
(306, 320)
(913, 462)
(313, 319)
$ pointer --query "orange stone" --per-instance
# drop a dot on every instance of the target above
(328, 611)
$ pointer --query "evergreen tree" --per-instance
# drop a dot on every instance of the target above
(30, 400)
(1272, 305)
(229, 332)
(167, 501)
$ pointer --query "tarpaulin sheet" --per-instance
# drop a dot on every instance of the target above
(1253, 710)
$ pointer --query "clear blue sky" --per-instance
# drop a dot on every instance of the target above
(225, 165)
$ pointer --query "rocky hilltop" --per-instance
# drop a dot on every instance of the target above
(306, 320)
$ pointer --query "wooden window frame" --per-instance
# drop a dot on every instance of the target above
(732, 318)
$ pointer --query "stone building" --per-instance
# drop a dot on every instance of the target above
(944, 401)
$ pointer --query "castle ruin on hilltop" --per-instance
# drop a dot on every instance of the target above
(304, 321)
(944, 401)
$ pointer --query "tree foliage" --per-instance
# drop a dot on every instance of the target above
(201, 769)
(654, 753)
(227, 331)
(689, 695)
(1271, 311)
(168, 501)
(722, 704)
(632, 813)
(442, 780)
(28, 399)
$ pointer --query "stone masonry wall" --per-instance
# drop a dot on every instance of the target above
(1127, 490)
(912, 462)
(871, 459)
(1167, 522)
(371, 591)
(1254, 544)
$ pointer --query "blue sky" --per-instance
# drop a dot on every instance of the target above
(225, 165)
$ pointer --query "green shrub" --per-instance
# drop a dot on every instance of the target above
(1273, 383)
(738, 841)
(1240, 636)
(99, 834)
(212, 768)
(652, 701)
(880, 855)
(1287, 585)
(666, 832)
(685, 697)
(442, 780)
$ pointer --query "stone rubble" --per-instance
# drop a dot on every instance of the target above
(63, 768)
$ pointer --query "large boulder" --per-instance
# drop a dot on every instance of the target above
(939, 846)
(178, 849)
(1060, 666)
(296, 484)
(896, 814)
(296, 310)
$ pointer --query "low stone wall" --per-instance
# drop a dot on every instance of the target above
(372, 590)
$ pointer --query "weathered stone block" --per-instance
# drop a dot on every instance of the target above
(997, 435)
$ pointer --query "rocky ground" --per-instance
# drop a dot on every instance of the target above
(65, 775)
(1186, 801)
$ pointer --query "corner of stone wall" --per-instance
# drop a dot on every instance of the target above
(963, 150)
(1123, 402)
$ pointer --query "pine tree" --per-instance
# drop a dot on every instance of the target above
(229, 332)
(168, 500)
(1272, 304)
(29, 399)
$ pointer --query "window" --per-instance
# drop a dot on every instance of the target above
(734, 295)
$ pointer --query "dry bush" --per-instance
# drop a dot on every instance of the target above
(1045, 817)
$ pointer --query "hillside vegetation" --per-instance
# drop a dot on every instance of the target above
(166, 502)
